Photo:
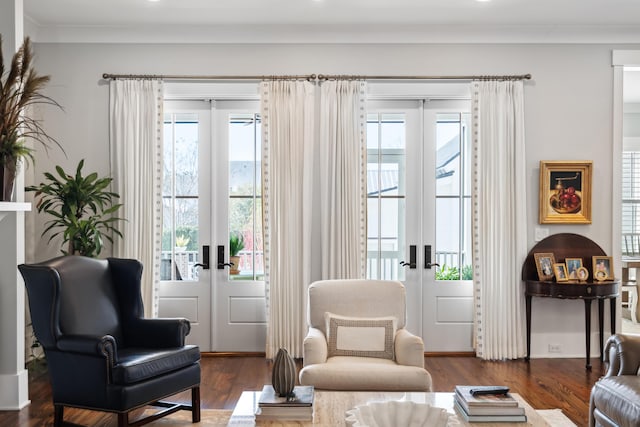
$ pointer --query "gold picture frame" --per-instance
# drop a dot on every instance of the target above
(602, 264)
(565, 192)
(560, 271)
(573, 265)
(544, 265)
(583, 274)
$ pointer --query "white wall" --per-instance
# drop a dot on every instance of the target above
(568, 107)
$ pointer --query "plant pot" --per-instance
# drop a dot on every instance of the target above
(7, 179)
(235, 260)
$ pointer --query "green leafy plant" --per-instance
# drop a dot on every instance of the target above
(452, 273)
(236, 243)
(20, 88)
(82, 209)
(447, 273)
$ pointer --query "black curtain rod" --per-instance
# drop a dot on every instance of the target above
(311, 77)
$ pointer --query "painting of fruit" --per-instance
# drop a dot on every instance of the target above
(565, 192)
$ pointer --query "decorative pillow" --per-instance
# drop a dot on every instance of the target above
(360, 336)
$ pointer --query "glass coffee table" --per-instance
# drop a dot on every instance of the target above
(329, 408)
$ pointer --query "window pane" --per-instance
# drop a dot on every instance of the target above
(393, 131)
(447, 232)
(180, 241)
(447, 155)
(245, 204)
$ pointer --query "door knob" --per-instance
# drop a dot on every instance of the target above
(427, 258)
(221, 264)
(205, 258)
(412, 258)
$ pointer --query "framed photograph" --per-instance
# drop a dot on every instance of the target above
(583, 274)
(602, 268)
(565, 192)
(560, 271)
(573, 265)
(544, 265)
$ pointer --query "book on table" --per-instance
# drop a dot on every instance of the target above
(496, 418)
(487, 407)
(297, 406)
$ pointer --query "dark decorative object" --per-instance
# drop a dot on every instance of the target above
(283, 377)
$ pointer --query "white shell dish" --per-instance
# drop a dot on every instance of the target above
(394, 413)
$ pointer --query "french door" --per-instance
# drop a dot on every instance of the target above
(418, 214)
(212, 201)
(185, 279)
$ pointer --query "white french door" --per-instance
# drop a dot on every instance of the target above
(417, 204)
(185, 285)
(211, 195)
(239, 311)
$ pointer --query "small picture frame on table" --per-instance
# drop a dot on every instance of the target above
(560, 271)
(602, 268)
(544, 265)
(583, 274)
(573, 265)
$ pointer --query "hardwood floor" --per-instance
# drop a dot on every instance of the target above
(544, 383)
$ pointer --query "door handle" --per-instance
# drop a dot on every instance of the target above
(205, 258)
(427, 258)
(221, 263)
(412, 258)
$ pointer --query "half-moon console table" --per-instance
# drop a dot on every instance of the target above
(567, 245)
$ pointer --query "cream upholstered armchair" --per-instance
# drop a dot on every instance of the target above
(357, 338)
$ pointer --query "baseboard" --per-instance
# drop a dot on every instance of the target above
(14, 391)
(232, 354)
(450, 354)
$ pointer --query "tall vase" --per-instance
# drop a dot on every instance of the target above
(283, 376)
(7, 178)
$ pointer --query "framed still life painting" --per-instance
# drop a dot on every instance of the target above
(565, 192)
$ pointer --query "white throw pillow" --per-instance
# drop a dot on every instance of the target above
(360, 336)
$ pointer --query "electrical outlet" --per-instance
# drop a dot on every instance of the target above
(554, 348)
(540, 233)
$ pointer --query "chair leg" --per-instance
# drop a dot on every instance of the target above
(58, 415)
(195, 404)
(123, 419)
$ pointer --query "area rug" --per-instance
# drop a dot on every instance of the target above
(555, 418)
(220, 418)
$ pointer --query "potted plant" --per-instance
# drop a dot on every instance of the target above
(236, 244)
(20, 88)
(82, 209)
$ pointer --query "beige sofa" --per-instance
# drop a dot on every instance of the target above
(615, 398)
(357, 338)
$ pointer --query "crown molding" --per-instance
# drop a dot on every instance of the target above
(335, 34)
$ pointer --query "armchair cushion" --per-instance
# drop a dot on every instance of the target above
(136, 364)
(360, 336)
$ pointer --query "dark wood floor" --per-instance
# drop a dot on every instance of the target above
(544, 383)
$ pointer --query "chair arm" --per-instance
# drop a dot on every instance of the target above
(622, 355)
(89, 345)
(157, 333)
(409, 349)
(314, 347)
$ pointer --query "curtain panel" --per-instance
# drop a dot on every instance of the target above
(135, 125)
(343, 174)
(499, 218)
(287, 109)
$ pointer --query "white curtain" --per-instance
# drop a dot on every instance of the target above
(343, 186)
(135, 120)
(287, 165)
(499, 218)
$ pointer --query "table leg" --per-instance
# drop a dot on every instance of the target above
(587, 321)
(612, 302)
(601, 324)
(528, 310)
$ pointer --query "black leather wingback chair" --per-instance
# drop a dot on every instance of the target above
(101, 353)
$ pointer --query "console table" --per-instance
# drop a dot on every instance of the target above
(567, 245)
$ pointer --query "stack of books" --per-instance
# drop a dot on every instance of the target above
(296, 407)
(490, 408)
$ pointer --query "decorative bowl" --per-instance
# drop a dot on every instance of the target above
(394, 413)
